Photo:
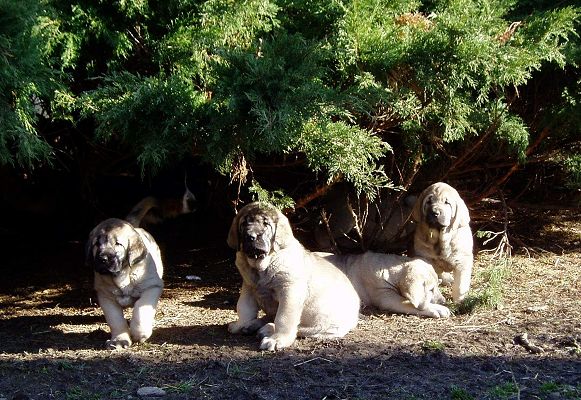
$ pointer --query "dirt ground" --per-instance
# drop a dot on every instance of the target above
(52, 332)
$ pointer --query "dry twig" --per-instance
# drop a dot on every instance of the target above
(523, 340)
(325, 220)
(504, 248)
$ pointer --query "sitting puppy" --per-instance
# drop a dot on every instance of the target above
(300, 293)
(128, 273)
(443, 236)
(393, 283)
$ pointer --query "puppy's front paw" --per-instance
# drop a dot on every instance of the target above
(140, 338)
(276, 342)
(140, 334)
(245, 328)
(266, 330)
(457, 296)
(235, 327)
(439, 311)
(446, 279)
(118, 343)
(268, 344)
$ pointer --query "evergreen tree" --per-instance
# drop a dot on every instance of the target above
(25, 83)
(373, 92)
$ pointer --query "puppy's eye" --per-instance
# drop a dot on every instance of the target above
(447, 202)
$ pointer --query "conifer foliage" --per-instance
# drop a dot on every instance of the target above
(25, 80)
(371, 92)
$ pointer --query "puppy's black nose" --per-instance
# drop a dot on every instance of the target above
(435, 213)
(104, 258)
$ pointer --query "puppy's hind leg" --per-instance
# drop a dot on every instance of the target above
(320, 333)
(310, 331)
(393, 302)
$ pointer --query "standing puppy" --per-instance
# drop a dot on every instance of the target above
(301, 293)
(443, 236)
(128, 273)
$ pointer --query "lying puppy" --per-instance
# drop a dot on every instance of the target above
(443, 236)
(300, 293)
(128, 273)
(393, 283)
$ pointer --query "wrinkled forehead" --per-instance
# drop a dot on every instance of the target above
(111, 233)
(258, 216)
(103, 239)
(439, 194)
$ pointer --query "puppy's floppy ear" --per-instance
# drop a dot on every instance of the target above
(414, 287)
(417, 210)
(136, 250)
(461, 217)
(437, 297)
(89, 257)
(232, 239)
(284, 232)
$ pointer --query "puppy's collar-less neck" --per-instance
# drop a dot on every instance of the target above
(433, 235)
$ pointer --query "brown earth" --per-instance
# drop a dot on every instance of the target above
(52, 332)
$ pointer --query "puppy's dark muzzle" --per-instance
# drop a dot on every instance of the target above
(255, 247)
(107, 264)
(435, 219)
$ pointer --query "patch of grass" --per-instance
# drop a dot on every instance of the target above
(566, 391)
(116, 394)
(490, 295)
(180, 387)
(235, 370)
(549, 387)
(142, 371)
(457, 393)
(504, 391)
(433, 345)
(77, 393)
(64, 365)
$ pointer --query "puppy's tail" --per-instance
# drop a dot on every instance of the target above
(140, 210)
